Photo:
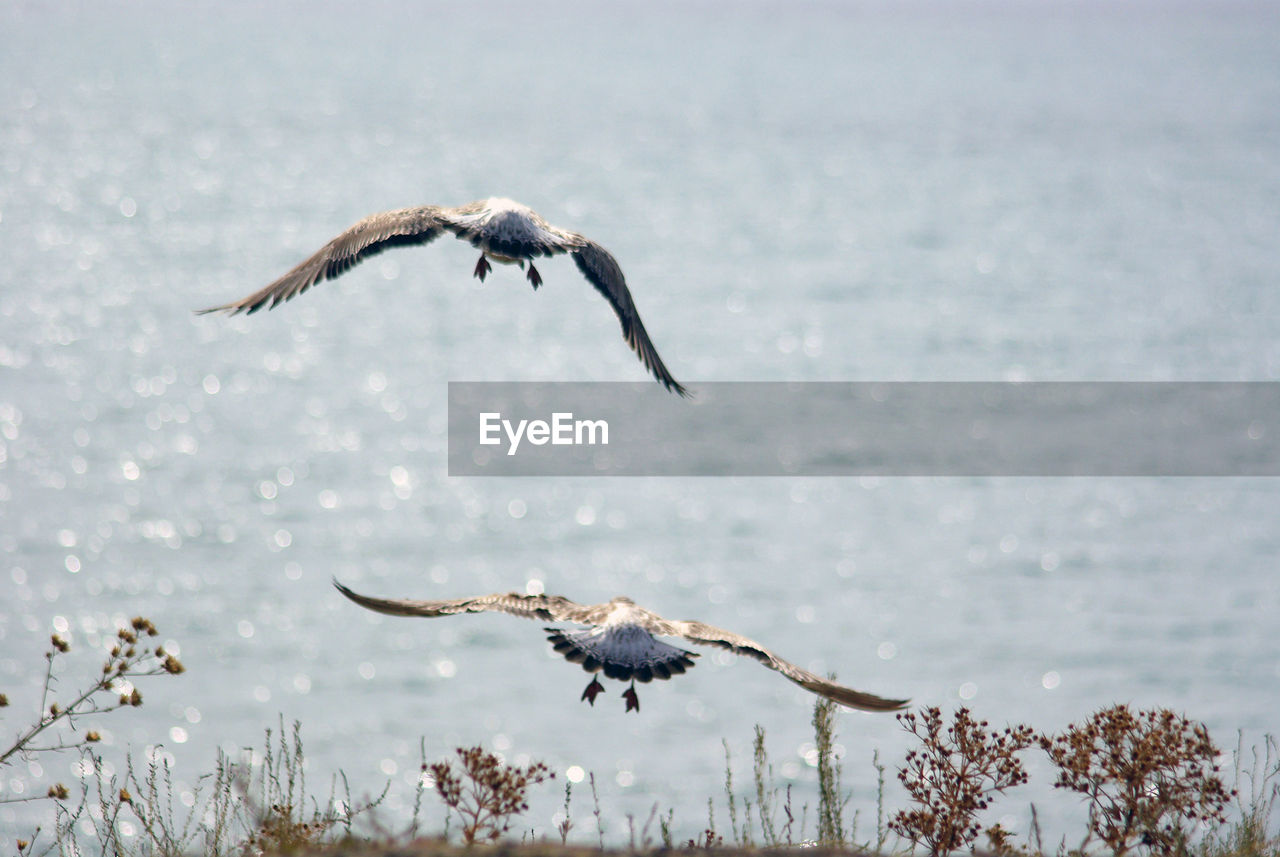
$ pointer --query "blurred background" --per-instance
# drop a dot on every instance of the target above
(796, 191)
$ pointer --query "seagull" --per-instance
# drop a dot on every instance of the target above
(619, 641)
(504, 230)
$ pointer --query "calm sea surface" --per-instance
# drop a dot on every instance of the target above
(816, 191)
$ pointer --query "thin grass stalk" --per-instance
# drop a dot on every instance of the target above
(765, 797)
(830, 805)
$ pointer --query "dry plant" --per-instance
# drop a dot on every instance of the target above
(1257, 790)
(706, 840)
(768, 799)
(565, 824)
(741, 837)
(275, 806)
(254, 807)
(766, 794)
(56, 727)
(128, 658)
(953, 777)
(595, 803)
(487, 793)
(664, 829)
(831, 803)
(1147, 776)
(281, 830)
(646, 841)
(882, 830)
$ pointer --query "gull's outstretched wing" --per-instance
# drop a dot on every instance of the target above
(552, 608)
(602, 271)
(369, 237)
(708, 635)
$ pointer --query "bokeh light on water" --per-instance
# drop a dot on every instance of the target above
(833, 193)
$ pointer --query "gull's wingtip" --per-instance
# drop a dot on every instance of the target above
(229, 309)
(889, 705)
(860, 700)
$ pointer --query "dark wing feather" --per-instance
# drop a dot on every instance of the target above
(602, 271)
(553, 608)
(370, 236)
(708, 635)
(623, 653)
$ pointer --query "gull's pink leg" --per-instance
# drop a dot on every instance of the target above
(482, 267)
(534, 276)
(593, 690)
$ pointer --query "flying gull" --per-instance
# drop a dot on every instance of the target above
(504, 230)
(619, 641)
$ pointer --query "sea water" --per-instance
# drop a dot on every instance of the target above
(796, 191)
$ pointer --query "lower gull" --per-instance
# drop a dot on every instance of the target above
(620, 641)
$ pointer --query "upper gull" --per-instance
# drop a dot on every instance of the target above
(504, 230)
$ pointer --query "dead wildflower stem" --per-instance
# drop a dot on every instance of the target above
(830, 803)
(126, 660)
(738, 835)
(791, 818)
(765, 796)
(1257, 790)
(419, 789)
(1147, 776)
(485, 793)
(664, 828)
(953, 776)
(595, 801)
(566, 824)
(882, 832)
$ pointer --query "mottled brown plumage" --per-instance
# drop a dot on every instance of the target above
(504, 230)
(620, 640)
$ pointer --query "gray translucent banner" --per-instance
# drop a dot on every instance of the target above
(860, 429)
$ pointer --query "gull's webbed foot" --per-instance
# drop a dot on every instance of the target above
(633, 701)
(534, 276)
(482, 267)
(593, 690)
